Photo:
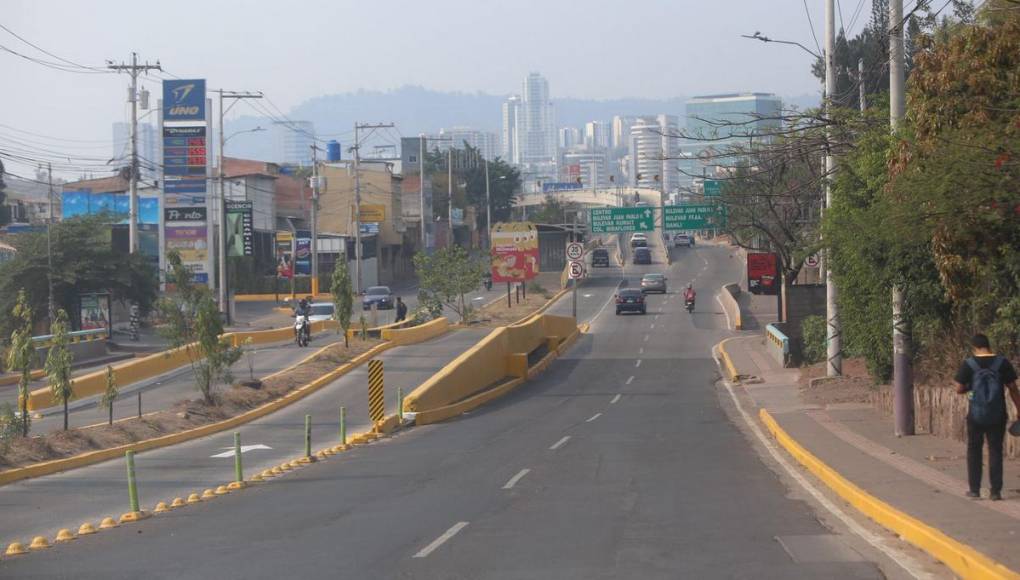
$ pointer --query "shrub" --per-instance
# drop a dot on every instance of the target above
(813, 348)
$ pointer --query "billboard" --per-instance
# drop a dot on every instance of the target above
(84, 202)
(514, 252)
(284, 254)
(94, 312)
(184, 100)
(303, 253)
(240, 232)
(762, 273)
(189, 241)
(553, 186)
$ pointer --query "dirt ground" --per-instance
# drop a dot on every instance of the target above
(185, 414)
(497, 314)
(856, 385)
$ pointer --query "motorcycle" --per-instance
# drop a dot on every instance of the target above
(487, 280)
(689, 304)
(301, 331)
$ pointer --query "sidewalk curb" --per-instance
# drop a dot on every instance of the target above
(731, 371)
(960, 558)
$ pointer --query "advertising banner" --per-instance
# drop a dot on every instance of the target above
(514, 252)
(284, 254)
(762, 273)
(184, 100)
(553, 186)
(240, 233)
(372, 213)
(117, 205)
(94, 311)
(184, 214)
(190, 242)
(303, 253)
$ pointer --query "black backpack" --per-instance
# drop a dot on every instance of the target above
(987, 397)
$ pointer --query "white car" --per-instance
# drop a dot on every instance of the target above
(682, 241)
(320, 311)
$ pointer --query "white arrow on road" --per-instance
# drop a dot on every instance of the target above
(244, 449)
(479, 298)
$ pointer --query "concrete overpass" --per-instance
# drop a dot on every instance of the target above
(616, 196)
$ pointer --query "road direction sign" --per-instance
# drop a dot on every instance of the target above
(576, 270)
(575, 250)
(611, 220)
(693, 216)
(713, 188)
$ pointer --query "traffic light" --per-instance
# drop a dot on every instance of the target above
(612, 179)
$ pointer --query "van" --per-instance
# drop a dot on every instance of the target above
(642, 256)
(600, 258)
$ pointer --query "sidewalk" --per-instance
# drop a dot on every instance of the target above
(923, 476)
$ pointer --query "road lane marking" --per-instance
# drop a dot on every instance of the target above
(587, 295)
(656, 317)
(630, 380)
(479, 298)
(559, 443)
(638, 363)
(646, 338)
(441, 539)
(244, 449)
(513, 480)
(615, 399)
(593, 417)
(641, 350)
(653, 326)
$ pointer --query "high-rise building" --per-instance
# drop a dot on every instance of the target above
(653, 148)
(149, 154)
(597, 133)
(587, 165)
(621, 131)
(292, 142)
(537, 128)
(508, 137)
(484, 141)
(569, 137)
(737, 115)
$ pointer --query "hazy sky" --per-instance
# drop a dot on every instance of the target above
(300, 49)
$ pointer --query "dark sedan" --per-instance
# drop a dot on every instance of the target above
(630, 300)
(380, 296)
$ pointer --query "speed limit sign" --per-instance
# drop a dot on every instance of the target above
(575, 250)
(576, 270)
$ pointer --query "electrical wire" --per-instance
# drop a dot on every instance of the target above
(50, 54)
(811, 25)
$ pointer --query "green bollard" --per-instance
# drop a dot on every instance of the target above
(400, 404)
(238, 470)
(132, 486)
(308, 435)
(343, 425)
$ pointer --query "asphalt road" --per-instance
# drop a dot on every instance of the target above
(618, 462)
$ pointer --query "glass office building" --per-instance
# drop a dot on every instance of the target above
(734, 115)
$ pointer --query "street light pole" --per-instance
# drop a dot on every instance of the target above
(833, 338)
(49, 250)
(449, 192)
(421, 188)
(316, 190)
(488, 208)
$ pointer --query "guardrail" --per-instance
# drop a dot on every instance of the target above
(778, 344)
(75, 337)
(728, 297)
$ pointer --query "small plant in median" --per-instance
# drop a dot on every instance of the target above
(21, 354)
(343, 297)
(9, 427)
(110, 394)
(58, 363)
(444, 278)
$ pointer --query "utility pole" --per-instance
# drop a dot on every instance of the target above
(903, 380)
(488, 208)
(133, 69)
(49, 250)
(833, 338)
(222, 253)
(860, 85)
(421, 189)
(316, 190)
(357, 196)
(449, 193)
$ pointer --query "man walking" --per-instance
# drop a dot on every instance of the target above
(401, 310)
(984, 378)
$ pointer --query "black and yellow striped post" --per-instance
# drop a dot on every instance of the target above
(376, 400)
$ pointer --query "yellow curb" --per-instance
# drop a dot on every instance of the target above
(194, 498)
(15, 549)
(86, 529)
(208, 495)
(321, 455)
(269, 473)
(258, 477)
(107, 523)
(64, 535)
(235, 485)
(160, 508)
(962, 559)
(730, 370)
(339, 448)
(134, 516)
(294, 464)
(221, 490)
(178, 502)
(306, 460)
(280, 469)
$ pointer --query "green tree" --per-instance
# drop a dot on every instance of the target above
(21, 354)
(5, 214)
(58, 362)
(444, 278)
(193, 321)
(83, 261)
(343, 296)
(469, 168)
(553, 211)
(110, 394)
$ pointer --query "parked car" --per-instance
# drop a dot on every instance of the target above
(378, 295)
(630, 300)
(600, 258)
(642, 255)
(653, 283)
(683, 241)
(320, 311)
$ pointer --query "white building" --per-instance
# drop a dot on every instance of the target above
(508, 137)
(149, 155)
(590, 167)
(597, 133)
(653, 145)
(292, 142)
(569, 137)
(620, 138)
(537, 124)
(484, 141)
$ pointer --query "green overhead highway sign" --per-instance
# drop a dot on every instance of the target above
(611, 220)
(713, 188)
(694, 216)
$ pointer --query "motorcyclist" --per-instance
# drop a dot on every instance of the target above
(690, 294)
(303, 310)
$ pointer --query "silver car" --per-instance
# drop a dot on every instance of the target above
(653, 283)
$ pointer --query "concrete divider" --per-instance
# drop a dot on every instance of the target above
(728, 296)
(497, 359)
(399, 336)
(778, 345)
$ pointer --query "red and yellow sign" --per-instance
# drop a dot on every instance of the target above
(514, 252)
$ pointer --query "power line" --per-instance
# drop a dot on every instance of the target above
(48, 53)
(811, 25)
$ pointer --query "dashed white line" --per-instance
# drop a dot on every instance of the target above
(638, 363)
(513, 480)
(641, 350)
(653, 326)
(615, 399)
(656, 317)
(593, 417)
(559, 443)
(630, 380)
(441, 539)
(646, 338)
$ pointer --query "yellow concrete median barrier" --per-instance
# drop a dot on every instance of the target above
(137, 516)
(64, 535)
(15, 549)
(39, 543)
(86, 529)
(236, 485)
(221, 490)
(208, 495)
(178, 502)
(107, 523)
(160, 508)
(194, 498)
